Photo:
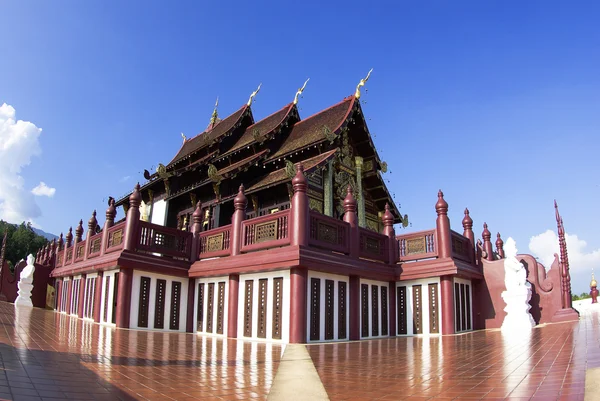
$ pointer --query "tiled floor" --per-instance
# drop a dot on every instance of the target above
(47, 355)
(547, 364)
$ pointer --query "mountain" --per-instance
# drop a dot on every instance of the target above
(44, 234)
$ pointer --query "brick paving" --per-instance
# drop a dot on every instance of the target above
(547, 364)
(46, 355)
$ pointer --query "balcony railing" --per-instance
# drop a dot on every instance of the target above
(416, 246)
(329, 233)
(95, 244)
(215, 243)
(164, 241)
(116, 237)
(373, 245)
(269, 231)
(461, 247)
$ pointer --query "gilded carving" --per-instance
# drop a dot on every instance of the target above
(214, 243)
(368, 165)
(256, 134)
(266, 231)
(213, 174)
(167, 186)
(415, 245)
(373, 225)
(254, 200)
(315, 204)
(347, 157)
(290, 190)
(115, 238)
(314, 193)
(193, 199)
(384, 167)
(95, 245)
(290, 171)
(330, 136)
(216, 189)
(79, 253)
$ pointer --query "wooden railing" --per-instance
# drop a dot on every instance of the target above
(164, 240)
(215, 242)
(373, 245)
(116, 237)
(95, 244)
(268, 231)
(79, 251)
(329, 233)
(461, 247)
(415, 246)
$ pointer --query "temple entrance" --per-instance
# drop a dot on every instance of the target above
(462, 305)
(418, 307)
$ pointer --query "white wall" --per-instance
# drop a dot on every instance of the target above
(64, 294)
(111, 291)
(88, 296)
(159, 212)
(424, 283)
(285, 305)
(336, 278)
(370, 284)
(206, 282)
(135, 301)
(75, 295)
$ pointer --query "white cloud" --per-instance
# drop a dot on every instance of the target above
(18, 144)
(581, 261)
(43, 190)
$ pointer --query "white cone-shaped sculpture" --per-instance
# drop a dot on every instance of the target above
(26, 284)
(517, 294)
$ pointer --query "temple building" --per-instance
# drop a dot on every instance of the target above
(279, 229)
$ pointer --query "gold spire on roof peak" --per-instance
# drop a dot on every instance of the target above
(184, 138)
(253, 95)
(299, 92)
(215, 115)
(362, 83)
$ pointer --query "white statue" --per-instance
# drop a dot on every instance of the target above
(518, 292)
(26, 283)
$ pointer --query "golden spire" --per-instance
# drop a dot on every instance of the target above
(215, 114)
(300, 91)
(253, 94)
(362, 83)
(593, 283)
(184, 138)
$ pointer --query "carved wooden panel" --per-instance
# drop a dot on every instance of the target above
(434, 314)
(159, 304)
(329, 308)
(457, 245)
(95, 245)
(210, 307)
(262, 308)
(327, 232)
(415, 245)
(372, 245)
(401, 306)
(384, 311)
(214, 243)
(277, 307)
(374, 310)
(220, 307)
(79, 252)
(342, 310)
(266, 231)
(315, 309)
(364, 309)
(106, 292)
(144, 302)
(248, 308)
(200, 311)
(115, 298)
(457, 306)
(417, 310)
(463, 309)
(175, 305)
(115, 238)
(468, 305)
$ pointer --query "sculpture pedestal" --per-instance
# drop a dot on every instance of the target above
(517, 308)
(24, 299)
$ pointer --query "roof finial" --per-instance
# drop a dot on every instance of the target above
(362, 83)
(299, 92)
(253, 94)
(184, 138)
(215, 115)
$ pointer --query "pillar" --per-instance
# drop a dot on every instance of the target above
(328, 190)
(232, 313)
(388, 230)
(300, 222)
(98, 296)
(298, 282)
(189, 319)
(351, 218)
(132, 221)
(354, 307)
(467, 223)
(392, 308)
(240, 202)
(124, 296)
(487, 243)
(447, 299)
(196, 229)
(81, 296)
(362, 218)
(442, 224)
(499, 246)
(111, 213)
(58, 285)
(69, 292)
(92, 224)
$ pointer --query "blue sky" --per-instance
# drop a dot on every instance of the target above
(497, 103)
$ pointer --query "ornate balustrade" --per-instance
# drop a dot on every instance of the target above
(164, 240)
(264, 232)
(461, 247)
(373, 245)
(80, 251)
(419, 245)
(116, 236)
(329, 233)
(95, 244)
(215, 242)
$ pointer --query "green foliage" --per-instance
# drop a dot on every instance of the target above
(21, 241)
(583, 295)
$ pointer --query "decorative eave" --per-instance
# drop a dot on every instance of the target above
(369, 137)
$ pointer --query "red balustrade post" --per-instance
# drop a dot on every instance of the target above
(78, 238)
(300, 219)
(388, 231)
(499, 246)
(133, 221)
(81, 296)
(196, 229)
(189, 321)
(68, 239)
(447, 295)
(92, 224)
(487, 243)
(98, 294)
(240, 202)
(111, 213)
(232, 313)
(53, 248)
(124, 295)
(442, 224)
(298, 288)
(467, 223)
(350, 217)
(354, 307)
(60, 247)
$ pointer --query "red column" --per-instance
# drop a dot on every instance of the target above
(132, 221)
(98, 297)
(196, 229)
(232, 313)
(240, 202)
(487, 243)
(392, 308)
(447, 298)
(300, 212)
(298, 282)
(388, 230)
(81, 296)
(354, 310)
(350, 217)
(189, 322)
(468, 233)
(124, 297)
(442, 223)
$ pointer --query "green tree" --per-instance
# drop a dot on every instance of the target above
(21, 241)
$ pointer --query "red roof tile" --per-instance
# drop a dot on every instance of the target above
(242, 163)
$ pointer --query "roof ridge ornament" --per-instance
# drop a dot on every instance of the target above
(215, 115)
(362, 83)
(299, 92)
(253, 95)
(184, 138)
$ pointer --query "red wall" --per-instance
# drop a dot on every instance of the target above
(41, 279)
